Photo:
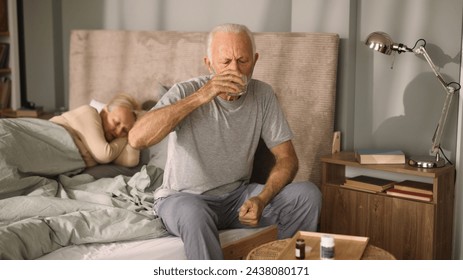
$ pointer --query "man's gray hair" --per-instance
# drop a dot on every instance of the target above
(229, 28)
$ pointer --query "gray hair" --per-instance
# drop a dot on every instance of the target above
(229, 28)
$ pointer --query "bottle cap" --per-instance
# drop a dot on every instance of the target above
(327, 241)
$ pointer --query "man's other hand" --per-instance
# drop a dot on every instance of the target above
(251, 211)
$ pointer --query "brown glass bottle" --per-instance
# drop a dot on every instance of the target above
(300, 249)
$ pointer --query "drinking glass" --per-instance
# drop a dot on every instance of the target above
(245, 80)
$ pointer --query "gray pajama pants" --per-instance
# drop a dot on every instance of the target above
(198, 218)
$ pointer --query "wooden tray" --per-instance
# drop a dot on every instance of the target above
(347, 247)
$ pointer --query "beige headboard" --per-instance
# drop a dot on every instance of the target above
(301, 67)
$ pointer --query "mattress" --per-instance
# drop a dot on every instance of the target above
(165, 248)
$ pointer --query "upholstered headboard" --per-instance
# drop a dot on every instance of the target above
(301, 67)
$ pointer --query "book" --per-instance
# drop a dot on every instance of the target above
(407, 194)
(5, 93)
(368, 183)
(356, 188)
(4, 53)
(414, 186)
(377, 156)
(3, 16)
(33, 113)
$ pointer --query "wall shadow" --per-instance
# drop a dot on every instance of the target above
(412, 132)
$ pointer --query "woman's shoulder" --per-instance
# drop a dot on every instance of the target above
(84, 110)
(80, 114)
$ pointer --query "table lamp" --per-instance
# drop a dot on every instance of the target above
(382, 42)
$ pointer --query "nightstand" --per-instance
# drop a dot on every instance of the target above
(407, 228)
(8, 113)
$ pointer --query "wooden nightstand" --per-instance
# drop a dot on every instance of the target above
(409, 229)
(8, 113)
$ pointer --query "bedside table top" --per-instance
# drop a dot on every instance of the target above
(348, 159)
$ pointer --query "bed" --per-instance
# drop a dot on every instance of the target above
(73, 213)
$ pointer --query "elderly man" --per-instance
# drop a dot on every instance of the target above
(215, 123)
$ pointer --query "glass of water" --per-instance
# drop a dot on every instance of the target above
(245, 80)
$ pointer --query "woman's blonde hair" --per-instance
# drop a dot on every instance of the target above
(125, 100)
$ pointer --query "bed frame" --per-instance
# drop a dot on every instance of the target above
(301, 67)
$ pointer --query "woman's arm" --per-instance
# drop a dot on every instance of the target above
(87, 124)
(129, 157)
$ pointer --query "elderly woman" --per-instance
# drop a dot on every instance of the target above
(102, 137)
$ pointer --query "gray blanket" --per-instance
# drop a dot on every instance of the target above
(43, 207)
(32, 151)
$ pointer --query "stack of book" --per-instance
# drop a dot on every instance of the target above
(4, 16)
(5, 92)
(367, 183)
(412, 189)
(31, 113)
(4, 54)
(375, 156)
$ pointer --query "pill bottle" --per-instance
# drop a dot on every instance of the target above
(300, 249)
(327, 247)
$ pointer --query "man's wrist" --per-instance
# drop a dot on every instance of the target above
(265, 197)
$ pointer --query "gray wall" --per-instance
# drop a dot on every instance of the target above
(377, 107)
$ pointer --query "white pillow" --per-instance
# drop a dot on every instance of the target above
(97, 105)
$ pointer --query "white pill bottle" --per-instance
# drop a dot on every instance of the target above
(326, 247)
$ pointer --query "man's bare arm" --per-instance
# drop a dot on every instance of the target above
(156, 124)
(282, 173)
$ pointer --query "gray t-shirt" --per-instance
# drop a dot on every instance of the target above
(212, 150)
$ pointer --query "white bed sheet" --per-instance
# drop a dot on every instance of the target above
(165, 248)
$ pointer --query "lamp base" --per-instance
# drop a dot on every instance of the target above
(426, 161)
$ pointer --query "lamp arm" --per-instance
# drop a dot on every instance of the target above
(421, 50)
(440, 125)
(450, 90)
